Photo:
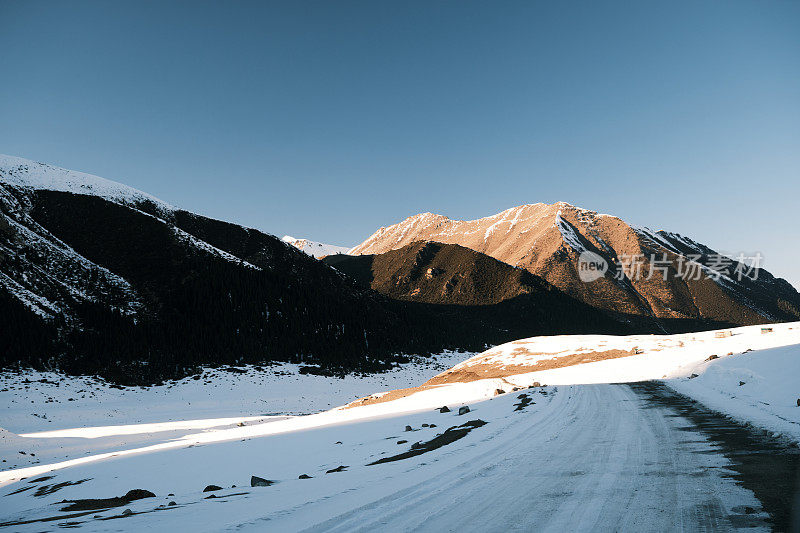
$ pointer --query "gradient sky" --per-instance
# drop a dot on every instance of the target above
(328, 120)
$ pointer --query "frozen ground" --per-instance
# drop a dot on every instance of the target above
(768, 365)
(577, 458)
(51, 410)
(584, 452)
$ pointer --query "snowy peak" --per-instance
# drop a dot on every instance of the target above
(26, 174)
(430, 226)
(313, 248)
(510, 230)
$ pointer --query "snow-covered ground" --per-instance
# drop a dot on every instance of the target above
(758, 388)
(583, 452)
(577, 458)
(51, 409)
(767, 363)
(313, 248)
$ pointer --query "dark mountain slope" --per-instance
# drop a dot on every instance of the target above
(473, 288)
(439, 273)
(196, 306)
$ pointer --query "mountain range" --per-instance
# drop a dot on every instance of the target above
(100, 278)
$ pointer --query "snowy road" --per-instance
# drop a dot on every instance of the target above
(602, 459)
(584, 457)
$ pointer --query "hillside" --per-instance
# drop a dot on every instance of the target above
(97, 277)
(439, 273)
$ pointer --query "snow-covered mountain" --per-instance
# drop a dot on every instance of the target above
(549, 239)
(313, 248)
(28, 175)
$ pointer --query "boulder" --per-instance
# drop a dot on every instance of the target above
(127, 512)
(464, 409)
(408, 428)
(339, 468)
(212, 488)
(444, 409)
(498, 392)
(171, 504)
(138, 494)
(303, 476)
(256, 481)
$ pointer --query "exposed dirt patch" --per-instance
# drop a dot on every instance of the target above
(474, 372)
(40, 479)
(387, 397)
(44, 490)
(418, 448)
(106, 503)
(47, 519)
(23, 489)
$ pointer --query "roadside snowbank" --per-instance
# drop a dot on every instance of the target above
(636, 357)
(760, 388)
(768, 364)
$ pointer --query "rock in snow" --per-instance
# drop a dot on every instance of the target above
(256, 481)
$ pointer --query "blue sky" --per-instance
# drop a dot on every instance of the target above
(328, 120)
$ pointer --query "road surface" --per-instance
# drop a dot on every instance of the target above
(621, 463)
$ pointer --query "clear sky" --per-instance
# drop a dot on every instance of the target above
(329, 119)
